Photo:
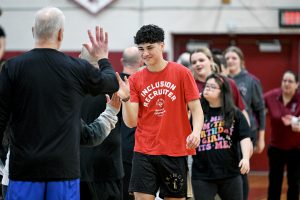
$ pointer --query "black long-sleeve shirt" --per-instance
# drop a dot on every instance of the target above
(43, 90)
(102, 162)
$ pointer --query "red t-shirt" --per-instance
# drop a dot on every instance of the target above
(163, 125)
(237, 98)
(282, 136)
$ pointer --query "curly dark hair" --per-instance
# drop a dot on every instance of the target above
(149, 34)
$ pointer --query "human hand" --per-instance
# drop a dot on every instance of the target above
(124, 87)
(244, 166)
(192, 141)
(287, 120)
(98, 48)
(260, 143)
(84, 54)
(114, 101)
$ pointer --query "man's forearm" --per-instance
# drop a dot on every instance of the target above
(95, 133)
(197, 116)
(130, 114)
(108, 78)
(197, 121)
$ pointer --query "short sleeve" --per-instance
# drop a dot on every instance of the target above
(134, 97)
(190, 87)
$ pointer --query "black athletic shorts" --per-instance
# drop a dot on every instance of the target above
(166, 173)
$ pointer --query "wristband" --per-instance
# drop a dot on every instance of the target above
(126, 99)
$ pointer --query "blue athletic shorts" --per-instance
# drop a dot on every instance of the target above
(53, 190)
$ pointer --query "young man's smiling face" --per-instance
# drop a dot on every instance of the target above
(151, 53)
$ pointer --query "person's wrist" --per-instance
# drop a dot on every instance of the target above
(101, 56)
(111, 109)
(99, 59)
(126, 99)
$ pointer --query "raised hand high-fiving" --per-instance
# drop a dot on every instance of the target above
(124, 88)
(114, 101)
(98, 46)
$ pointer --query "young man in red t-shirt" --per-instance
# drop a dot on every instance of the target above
(155, 100)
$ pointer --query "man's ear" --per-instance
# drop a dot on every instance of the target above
(162, 44)
(32, 30)
(60, 35)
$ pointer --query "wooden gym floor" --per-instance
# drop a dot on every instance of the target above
(258, 183)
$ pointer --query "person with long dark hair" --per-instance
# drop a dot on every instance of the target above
(225, 146)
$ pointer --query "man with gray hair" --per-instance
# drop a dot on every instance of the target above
(184, 59)
(41, 92)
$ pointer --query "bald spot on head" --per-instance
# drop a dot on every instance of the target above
(131, 60)
(131, 57)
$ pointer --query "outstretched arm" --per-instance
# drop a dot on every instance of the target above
(129, 109)
(96, 53)
(94, 134)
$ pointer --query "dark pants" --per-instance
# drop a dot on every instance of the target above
(101, 190)
(228, 189)
(278, 159)
(4, 191)
(127, 171)
(245, 186)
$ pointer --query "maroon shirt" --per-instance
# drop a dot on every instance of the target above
(282, 136)
(237, 98)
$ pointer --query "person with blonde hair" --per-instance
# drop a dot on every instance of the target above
(202, 65)
(251, 91)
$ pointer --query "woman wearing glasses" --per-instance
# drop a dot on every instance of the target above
(225, 145)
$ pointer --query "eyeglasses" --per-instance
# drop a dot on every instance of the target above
(211, 87)
(288, 81)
